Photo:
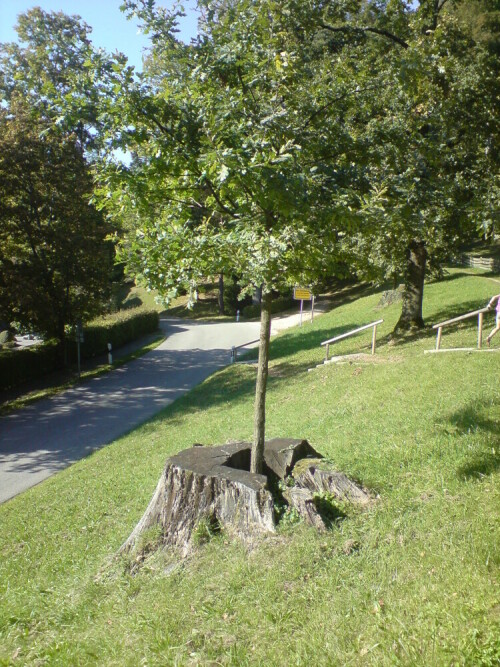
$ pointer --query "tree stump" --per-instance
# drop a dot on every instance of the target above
(214, 485)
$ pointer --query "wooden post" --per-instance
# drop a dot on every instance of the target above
(480, 330)
(374, 337)
(438, 340)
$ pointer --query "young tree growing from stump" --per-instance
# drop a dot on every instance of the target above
(244, 156)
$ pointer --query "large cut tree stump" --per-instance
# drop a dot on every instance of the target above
(214, 484)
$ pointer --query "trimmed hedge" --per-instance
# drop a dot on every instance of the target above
(118, 329)
(28, 363)
(18, 366)
(277, 305)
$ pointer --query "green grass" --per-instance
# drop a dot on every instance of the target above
(126, 295)
(485, 249)
(412, 581)
(206, 307)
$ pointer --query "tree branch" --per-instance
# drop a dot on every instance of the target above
(440, 7)
(324, 107)
(208, 182)
(376, 31)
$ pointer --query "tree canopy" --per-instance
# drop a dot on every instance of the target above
(54, 259)
(241, 165)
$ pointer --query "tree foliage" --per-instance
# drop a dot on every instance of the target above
(54, 260)
(55, 68)
(432, 136)
(241, 165)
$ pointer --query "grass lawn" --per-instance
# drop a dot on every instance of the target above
(127, 295)
(206, 307)
(412, 581)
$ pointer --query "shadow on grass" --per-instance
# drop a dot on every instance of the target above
(458, 309)
(448, 277)
(481, 465)
(220, 388)
(472, 419)
(132, 302)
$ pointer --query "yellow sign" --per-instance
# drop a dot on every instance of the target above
(302, 294)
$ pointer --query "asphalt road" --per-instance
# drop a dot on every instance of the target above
(51, 434)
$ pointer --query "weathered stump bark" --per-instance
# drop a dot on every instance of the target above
(316, 490)
(215, 484)
(314, 477)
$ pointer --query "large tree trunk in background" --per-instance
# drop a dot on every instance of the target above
(260, 389)
(413, 293)
(221, 294)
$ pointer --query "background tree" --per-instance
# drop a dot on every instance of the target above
(55, 262)
(431, 133)
(54, 258)
(57, 72)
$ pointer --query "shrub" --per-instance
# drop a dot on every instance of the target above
(29, 363)
(18, 366)
(118, 329)
(279, 304)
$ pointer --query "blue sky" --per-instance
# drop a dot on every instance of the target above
(110, 28)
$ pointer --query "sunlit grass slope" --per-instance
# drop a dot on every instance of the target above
(412, 581)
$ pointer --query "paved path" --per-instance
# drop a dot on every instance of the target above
(53, 433)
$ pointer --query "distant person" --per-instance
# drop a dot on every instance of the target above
(497, 321)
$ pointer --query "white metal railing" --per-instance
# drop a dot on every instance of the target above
(479, 313)
(351, 333)
(235, 348)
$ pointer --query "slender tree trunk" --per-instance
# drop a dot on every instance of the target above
(257, 295)
(260, 389)
(413, 293)
(221, 294)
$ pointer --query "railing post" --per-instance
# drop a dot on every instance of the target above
(374, 338)
(438, 340)
(327, 348)
(480, 330)
(233, 354)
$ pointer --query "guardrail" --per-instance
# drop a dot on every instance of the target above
(479, 313)
(351, 333)
(235, 348)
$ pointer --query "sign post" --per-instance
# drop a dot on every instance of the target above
(79, 339)
(302, 294)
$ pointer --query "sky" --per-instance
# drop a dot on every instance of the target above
(110, 28)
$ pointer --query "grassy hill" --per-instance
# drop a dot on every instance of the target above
(412, 581)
